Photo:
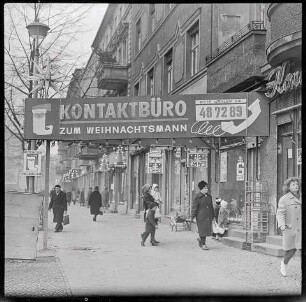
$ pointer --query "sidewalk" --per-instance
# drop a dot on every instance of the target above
(105, 258)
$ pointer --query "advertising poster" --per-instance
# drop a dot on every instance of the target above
(223, 167)
(32, 163)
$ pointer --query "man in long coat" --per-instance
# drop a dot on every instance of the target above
(203, 211)
(58, 203)
(95, 203)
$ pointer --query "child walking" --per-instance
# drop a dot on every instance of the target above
(223, 219)
(151, 225)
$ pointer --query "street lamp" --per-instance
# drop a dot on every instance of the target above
(36, 31)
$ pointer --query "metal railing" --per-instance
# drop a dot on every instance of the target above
(252, 26)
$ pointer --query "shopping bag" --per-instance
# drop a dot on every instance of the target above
(66, 219)
(215, 227)
(157, 213)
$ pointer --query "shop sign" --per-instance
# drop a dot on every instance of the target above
(240, 169)
(197, 158)
(223, 167)
(32, 163)
(155, 161)
(281, 81)
(166, 116)
(299, 156)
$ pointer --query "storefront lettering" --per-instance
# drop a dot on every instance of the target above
(205, 128)
(155, 108)
(279, 82)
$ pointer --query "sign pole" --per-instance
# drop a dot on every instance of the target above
(46, 204)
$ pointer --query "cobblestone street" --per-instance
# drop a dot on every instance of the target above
(105, 258)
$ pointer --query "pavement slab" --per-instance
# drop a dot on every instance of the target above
(105, 258)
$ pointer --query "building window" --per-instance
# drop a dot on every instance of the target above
(193, 50)
(150, 82)
(136, 89)
(152, 17)
(169, 71)
(138, 36)
(124, 53)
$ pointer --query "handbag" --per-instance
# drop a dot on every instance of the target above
(216, 228)
(66, 219)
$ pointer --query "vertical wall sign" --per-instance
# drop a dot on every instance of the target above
(197, 158)
(155, 161)
(32, 163)
(240, 169)
(223, 167)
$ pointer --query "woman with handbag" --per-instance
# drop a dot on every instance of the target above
(203, 211)
(58, 203)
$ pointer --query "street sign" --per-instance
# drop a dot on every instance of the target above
(155, 161)
(197, 158)
(166, 116)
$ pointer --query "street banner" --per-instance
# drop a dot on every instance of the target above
(197, 158)
(32, 163)
(166, 116)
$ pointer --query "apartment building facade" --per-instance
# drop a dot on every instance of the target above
(178, 49)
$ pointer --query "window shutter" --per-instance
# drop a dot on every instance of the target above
(144, 26)
(178, 61)
(143, 87)
(158, 78)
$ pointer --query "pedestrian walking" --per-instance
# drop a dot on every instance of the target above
(95, 203)
(289, 220)
(58, 204)
(146, 199)
(203, 211)
(82, 198)
(216, 212)
(105, 198)
(88, 195)
(151, 225)
(223, 219)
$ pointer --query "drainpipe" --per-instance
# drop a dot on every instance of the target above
(211, 27)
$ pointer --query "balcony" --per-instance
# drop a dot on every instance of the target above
(88, 153)
(112, 76)
(236, 63)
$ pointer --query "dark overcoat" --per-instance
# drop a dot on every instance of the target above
(95, 202)
(58, 204)
(150, 221)
(203, 211)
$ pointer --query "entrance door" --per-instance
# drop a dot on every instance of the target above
(284, 160)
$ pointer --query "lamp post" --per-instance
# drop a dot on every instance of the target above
(36, 31)
(39, 31)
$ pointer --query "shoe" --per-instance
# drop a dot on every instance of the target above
(142, 243)
(199, 242)
(283, 269)
(94, 219)
(153, 243)
(101, 213)
(204, 247)
(56, 231)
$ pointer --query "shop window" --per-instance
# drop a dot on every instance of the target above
(169, 70)
(193, 46)
(138, 35)
(150, 82)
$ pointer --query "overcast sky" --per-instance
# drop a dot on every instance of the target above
(93, 21)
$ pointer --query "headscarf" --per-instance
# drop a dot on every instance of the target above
(154, 186)
(145, 188)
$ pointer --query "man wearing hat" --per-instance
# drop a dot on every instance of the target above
(203, 211)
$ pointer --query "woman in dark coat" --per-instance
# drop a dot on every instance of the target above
(95, 203)
(203, 211)
(58, 203)
(147, 198)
